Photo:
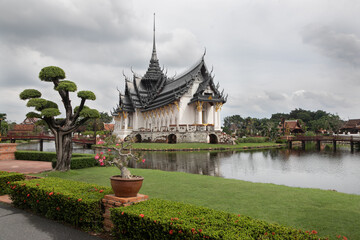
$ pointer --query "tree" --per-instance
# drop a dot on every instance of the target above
(2, 117)
(62, 128)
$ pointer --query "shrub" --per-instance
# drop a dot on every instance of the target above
(76, 203)
(281, 141)
(252, 140)
(35, 156)
(6, 178)
(161, 219)
(79, 162)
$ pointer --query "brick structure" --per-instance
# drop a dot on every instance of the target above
(110, 201)
(7, 151)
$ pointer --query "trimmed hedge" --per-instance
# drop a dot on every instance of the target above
(6, 178)
(76, 203)
(78, 160)
(35, 156)
(161, 219)
(252, 140)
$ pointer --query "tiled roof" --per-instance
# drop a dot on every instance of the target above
(108, 127)
(351, 124)
(24, 127)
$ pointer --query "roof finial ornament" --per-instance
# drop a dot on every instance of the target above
(204, 53)
(154, 56)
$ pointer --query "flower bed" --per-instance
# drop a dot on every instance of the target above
(6, 178)
(161, 219)
(76, 203)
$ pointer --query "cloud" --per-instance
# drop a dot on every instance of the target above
(344, 47)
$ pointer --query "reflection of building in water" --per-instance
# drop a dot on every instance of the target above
(205, 163)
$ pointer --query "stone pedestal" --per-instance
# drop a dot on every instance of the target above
(110, 201)
(7, 151)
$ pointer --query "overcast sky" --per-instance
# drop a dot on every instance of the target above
(269, 56)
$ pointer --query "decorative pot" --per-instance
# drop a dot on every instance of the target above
(126, 187)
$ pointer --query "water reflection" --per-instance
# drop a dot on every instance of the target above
(205, 163)
(49, 146)
(311, 169)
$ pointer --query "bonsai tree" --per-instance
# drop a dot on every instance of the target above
(62, 128)
(119, 154)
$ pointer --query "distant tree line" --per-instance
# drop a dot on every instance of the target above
(313, 121)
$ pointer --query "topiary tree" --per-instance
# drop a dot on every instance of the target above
(62, 128)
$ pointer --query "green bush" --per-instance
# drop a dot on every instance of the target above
(281, 141)
(76, 203)
(161, 219)
(252, 140)
(79, 162)
(6, 178)
(35, 156)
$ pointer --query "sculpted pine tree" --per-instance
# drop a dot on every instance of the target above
(62, 128)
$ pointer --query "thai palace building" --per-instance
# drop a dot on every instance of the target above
(158, 108)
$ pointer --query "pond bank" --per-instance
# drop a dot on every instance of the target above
(200, 146)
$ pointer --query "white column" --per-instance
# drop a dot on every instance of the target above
(214, 117)
(218, 120)
(198, 116)
(126, 122)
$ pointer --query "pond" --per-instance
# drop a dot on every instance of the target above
(323, 169)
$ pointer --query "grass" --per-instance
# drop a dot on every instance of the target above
(162, 146)
(330, 213)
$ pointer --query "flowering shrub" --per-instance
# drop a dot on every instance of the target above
(76, 203)
(6, 178)
(161, 219)
(118, 153)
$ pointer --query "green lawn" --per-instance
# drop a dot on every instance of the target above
(195, 146)
(330, 213)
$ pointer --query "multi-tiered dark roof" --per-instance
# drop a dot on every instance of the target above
(155, 89)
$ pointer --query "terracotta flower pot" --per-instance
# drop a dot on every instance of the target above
(126, 187)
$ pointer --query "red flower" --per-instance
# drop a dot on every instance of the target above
(171, 232)
(37, 184)
(24, 201)
(314, 232)
(200, 230)
(28, 195)
(338, 236)
(101, 191)
(345, 238)
(193, 229)
(58, 208)
(273, 233)
(122, 213)
(8, 183)
(37, 201)
(51, 193)
(180, 231)
(239, 215)
(79, 200)
(141, 215)
(266, 234)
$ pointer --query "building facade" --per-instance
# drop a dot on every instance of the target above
(158, 108)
